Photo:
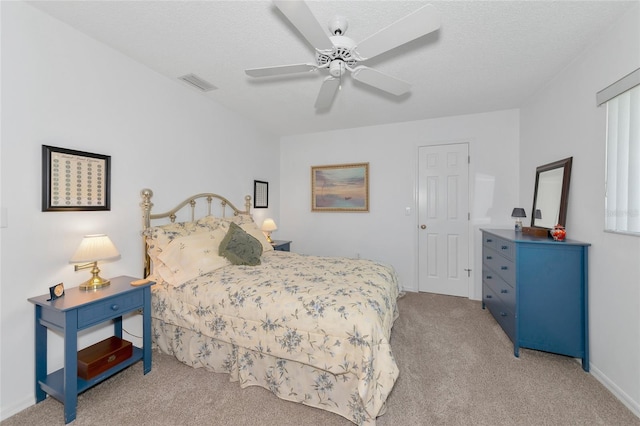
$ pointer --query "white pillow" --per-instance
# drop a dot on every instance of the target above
(159, 237)
(192, 255)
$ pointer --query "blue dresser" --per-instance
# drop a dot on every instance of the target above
(536, 289)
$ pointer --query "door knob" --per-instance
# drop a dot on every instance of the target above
(423, 226)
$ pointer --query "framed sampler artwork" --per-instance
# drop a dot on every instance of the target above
(75, 180)
(340, 188)
(260, 194)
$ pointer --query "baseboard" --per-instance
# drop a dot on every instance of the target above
(16, 408)
(632, 405)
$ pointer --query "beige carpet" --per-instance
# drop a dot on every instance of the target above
(456, 368)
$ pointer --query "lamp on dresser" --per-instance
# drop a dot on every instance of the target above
(92, 249)
(518, 213)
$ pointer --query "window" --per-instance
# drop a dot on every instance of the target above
(622, 195)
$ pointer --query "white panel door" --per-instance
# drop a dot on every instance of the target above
(443, 215)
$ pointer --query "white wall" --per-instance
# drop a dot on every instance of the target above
(563, 121)
(64, 89)
(386, 233)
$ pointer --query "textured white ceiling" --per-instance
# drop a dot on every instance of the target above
(487, 56)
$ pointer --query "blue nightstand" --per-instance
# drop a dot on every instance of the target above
(281, 245)
(78, 310)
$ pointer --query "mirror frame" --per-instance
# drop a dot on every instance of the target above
(564, 196)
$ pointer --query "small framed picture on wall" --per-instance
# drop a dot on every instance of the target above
(75, 180)
(260, 194)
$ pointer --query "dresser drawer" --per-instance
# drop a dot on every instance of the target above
(502, 315)
(505, 292)
(109, 308)
(505, 248)
(503, 266)
(489, 241)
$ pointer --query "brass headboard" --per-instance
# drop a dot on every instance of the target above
(147, 217)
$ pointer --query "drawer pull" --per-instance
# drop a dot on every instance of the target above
(504, 268)
(111, 358)
(115, 307)
(503, 314)
(504, 291)
(488, 296)
(489, 240)
(504, 247)
(489, 257)
(489, 277)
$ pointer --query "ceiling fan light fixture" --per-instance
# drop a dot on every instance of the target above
(336, 68)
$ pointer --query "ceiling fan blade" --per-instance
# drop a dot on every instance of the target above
(327, 92)
(380, 81)
(416, 24)
(280, 70)
(299, 14)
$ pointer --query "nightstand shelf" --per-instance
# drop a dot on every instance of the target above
(78, 310)
(53, 384)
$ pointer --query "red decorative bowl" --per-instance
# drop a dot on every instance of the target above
(558, 233)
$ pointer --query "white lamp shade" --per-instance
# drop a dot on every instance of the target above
(269, 225)
(93, 248)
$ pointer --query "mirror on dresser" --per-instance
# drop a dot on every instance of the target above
(550, 196)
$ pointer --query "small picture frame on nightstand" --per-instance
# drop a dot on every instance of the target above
(56, 291)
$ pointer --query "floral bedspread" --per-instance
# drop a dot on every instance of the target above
(332, 314)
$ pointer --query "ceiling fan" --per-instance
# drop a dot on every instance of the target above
(339, 54)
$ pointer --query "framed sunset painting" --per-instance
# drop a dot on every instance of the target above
(340, 188)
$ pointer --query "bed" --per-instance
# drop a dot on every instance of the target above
(313, 330)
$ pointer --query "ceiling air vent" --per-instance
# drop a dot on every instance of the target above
(197, 82)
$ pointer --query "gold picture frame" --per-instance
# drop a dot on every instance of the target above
(340, 188)
(75, 180)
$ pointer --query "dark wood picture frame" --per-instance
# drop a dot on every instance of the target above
(260, 194)
(75, 180)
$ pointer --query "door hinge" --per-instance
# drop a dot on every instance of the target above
(468, 159)
(468, 215)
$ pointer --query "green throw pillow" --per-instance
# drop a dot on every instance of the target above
(240, 248)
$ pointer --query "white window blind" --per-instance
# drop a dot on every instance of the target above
(622, 197)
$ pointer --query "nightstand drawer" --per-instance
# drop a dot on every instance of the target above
(109, 308)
